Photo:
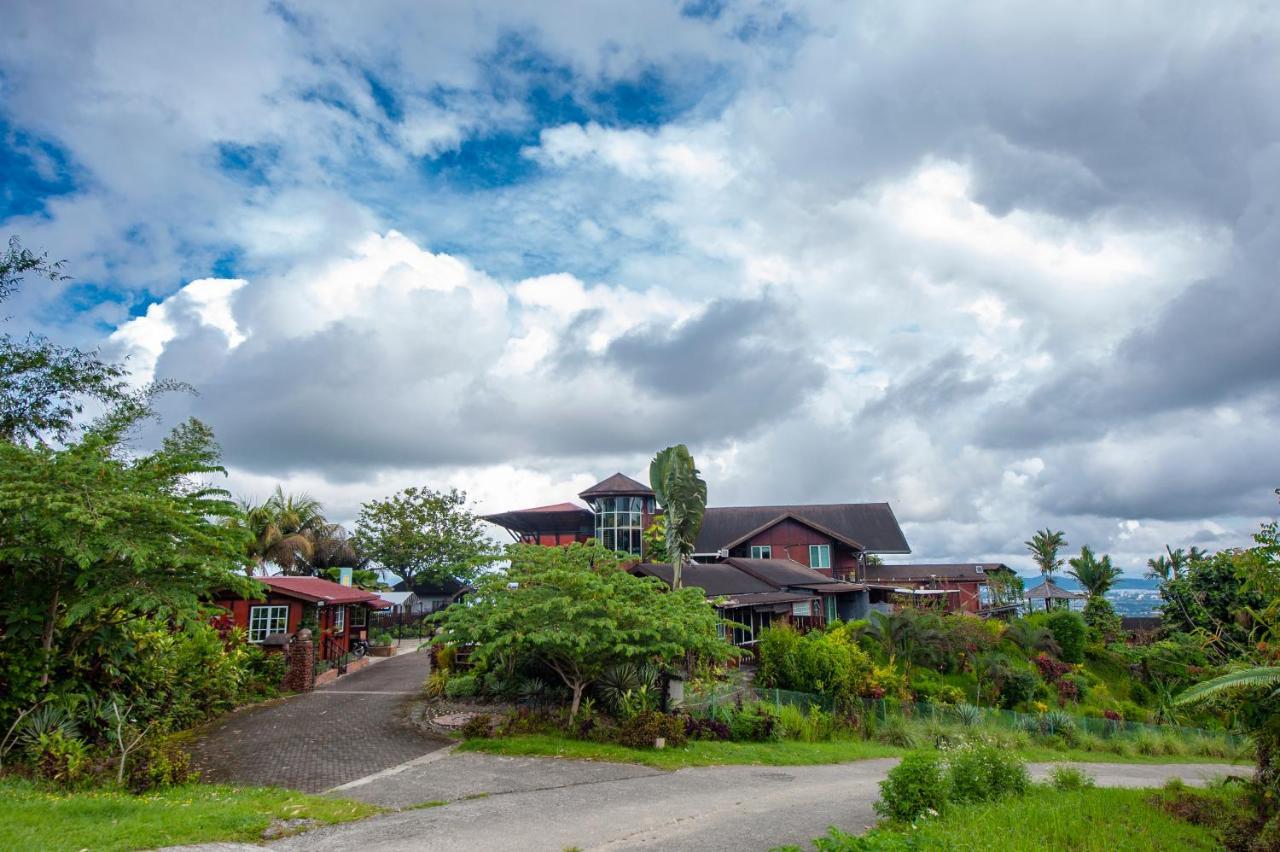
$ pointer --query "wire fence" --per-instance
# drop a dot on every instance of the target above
(885, 709)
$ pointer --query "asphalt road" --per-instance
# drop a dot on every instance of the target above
(498, 803)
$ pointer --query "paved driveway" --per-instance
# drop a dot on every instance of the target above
(498, 803)
(312, 742)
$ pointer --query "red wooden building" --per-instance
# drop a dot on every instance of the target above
(966, 585)
(336, 614)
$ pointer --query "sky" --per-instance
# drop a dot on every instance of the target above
(1004, 270)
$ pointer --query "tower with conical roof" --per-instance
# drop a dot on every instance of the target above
(622, 508)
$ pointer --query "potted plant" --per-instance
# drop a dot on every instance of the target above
(380, 644)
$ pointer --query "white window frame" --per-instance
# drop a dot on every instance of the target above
(802, 608)
(340, 619)
(271, 620)
(823, 549)
(762, 551)
(363, 613)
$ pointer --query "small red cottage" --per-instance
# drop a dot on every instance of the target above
(335, 613)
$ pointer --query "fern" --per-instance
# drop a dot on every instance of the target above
(1257, 676)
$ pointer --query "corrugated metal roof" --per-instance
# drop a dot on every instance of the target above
(941, 571)
(317, 590)
(717, 578)
(872, 524)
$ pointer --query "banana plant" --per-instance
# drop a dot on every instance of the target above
(682, 496)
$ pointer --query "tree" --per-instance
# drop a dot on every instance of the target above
(43, 387)
(424, 536)
(1172, 566)
(92, 538)
(285, 530)
(1095, 576)
(1044, 547)
(576, 611)
(682, 495)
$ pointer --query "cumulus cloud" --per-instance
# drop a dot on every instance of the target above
(1001, 271)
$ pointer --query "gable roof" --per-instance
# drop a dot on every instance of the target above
(967, 571)
(780, 573)
(717, 578)
(791, 516)
(873, 525)
(617, 484)
(317, 590)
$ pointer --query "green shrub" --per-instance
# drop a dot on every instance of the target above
(967, 715)
(642, 730)
(1069, 778)
(461, 686)
(982, 773)
(754, 723)
(896, 732)
(826, 663)
(57, 756)
(1070, 632)
(913, 788)
(479, 726)
(1019, 685)
(158, 763)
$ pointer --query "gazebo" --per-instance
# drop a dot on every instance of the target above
(1049, 591)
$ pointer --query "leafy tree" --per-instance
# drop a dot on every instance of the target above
(92, 538)
(1213, 601)
(1174, 564)
(682, 495)
(1095, 575)
(1044, 547)
(424, 536)
(1031, 638)
(577, 612)
(1005, 588)
(43, 386)
(285, 530)
(655, 541)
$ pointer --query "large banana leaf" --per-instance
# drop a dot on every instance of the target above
(1257, 676)
(682, 495)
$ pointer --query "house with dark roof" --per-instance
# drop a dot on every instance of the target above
(966, 586)
(830, 538)
(759, 593)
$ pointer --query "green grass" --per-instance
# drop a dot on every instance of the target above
(34, 818)
(698, 753)
(1093, 820)
(786, 753)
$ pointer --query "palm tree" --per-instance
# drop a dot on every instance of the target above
(682, 496)
(1094, 575)
(1166, 568)
(285, 529)
(1044, 547)
(1255, 713)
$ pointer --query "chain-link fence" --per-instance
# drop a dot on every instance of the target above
(886, 709)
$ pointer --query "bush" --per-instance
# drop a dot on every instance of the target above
(824, 662)
(914, 787)
(641, 730)
(57, 756)
(754, 723)
(895, 732)
(461, 686)
(983, 773)
(1070, 631)
(479, 726)
(1069, 778)
(701, 728)
(1019, 685)
(158, 763)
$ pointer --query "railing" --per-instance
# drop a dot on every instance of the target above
(331, 653)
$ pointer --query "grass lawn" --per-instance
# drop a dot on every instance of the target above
(34, 818)
(1094, 820)
(786, 753)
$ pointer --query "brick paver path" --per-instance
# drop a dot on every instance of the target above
(352, 728)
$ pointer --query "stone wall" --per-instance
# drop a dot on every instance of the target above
(301, 651)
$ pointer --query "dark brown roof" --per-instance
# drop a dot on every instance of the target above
(561, 517)
(762, 598)
(871, 524)
(750, 534)
(716, 579)
(1049, 590)
(964, 571)
(617, 484)
(780, 573)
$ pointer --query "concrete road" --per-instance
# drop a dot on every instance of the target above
(498, 803)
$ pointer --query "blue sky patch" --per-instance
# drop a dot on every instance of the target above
(34, 170)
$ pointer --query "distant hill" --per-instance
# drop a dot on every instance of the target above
(1066, 582)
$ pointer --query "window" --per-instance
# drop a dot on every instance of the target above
(265, 621)
(801, 608)
(358, 616)
(833, 614)
(819, 556)
(761, 551)
(620, 521)
(339, 619)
